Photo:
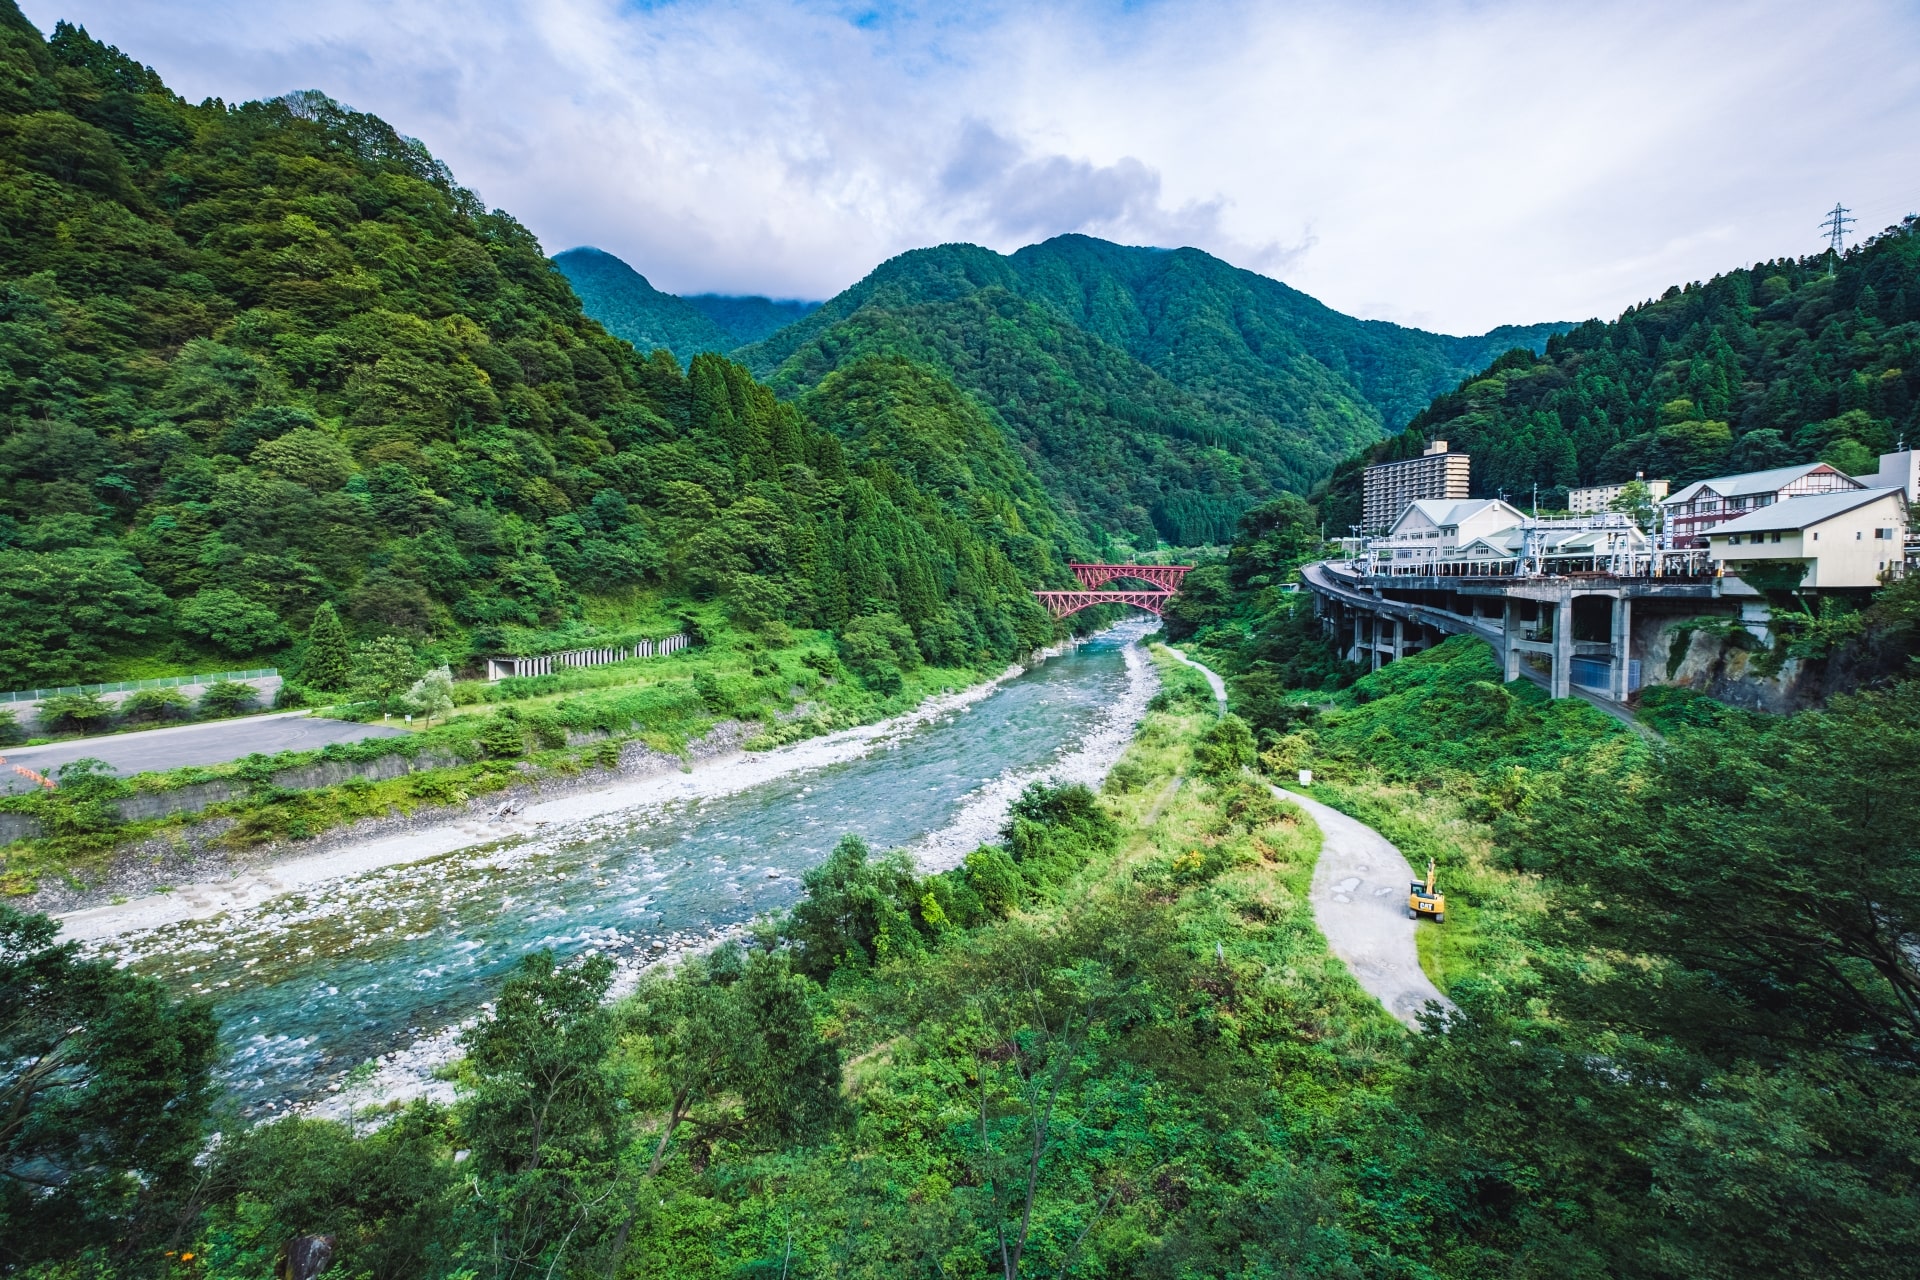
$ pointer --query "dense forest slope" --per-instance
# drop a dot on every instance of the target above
(629, 307)
(1782, 362)
(1159, 392)
(258, 358)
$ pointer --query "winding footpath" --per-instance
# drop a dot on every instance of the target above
(1359, 897)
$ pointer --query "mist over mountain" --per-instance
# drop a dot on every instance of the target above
(629, 307)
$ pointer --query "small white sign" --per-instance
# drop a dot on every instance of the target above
(1306, 777)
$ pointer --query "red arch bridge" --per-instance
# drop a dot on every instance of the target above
(1162, 584)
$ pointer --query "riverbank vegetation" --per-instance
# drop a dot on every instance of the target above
(761, 689)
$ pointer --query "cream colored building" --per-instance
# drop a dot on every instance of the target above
(1852, 538)
(1596, 498)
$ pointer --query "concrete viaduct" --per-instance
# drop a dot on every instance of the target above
(1581, 627)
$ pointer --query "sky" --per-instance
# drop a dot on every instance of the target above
(1454, 166)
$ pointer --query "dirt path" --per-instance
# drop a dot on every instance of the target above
(1359, 900)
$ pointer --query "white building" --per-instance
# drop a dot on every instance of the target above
(1897, 471)
(1436, 529)
(1851, 538)
(1387, 489)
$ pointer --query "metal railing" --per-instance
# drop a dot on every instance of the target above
(132, 686)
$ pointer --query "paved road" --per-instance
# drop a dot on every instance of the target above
(215, 742)
(1359, 898)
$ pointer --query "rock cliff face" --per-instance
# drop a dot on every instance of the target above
(1728, 660)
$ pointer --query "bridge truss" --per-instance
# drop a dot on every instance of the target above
(1163, 579)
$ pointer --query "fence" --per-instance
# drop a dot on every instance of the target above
(501, 668)
(130, 686)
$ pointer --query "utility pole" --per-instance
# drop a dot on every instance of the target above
(1836, 227)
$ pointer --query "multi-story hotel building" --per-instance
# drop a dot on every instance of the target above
(1392, 487)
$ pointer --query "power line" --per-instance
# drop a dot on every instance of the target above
(1836, 226)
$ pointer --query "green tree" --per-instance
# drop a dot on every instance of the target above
(431, 696)
(329, 659)
(728, 1047)
(228, 698)
(383, 667)
(229, 621)
(60, 610)
(104, 1099)
(539, 1110)
(857, 910)
(1635, 501)
(148, 706)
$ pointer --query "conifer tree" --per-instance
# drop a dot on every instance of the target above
(329, 661)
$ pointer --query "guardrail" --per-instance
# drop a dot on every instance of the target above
(132, 686)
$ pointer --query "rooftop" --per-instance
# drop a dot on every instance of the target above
(1799, 513)
(1750, 482)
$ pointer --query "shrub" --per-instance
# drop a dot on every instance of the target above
(228, 698)
(75, 712)
(10, 730)
(502, 737)
(1225, 748)
(290, 696)
(83, 804)
(994, 880)
(151, 706)
(1052, 831)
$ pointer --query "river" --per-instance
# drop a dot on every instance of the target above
(352, 990)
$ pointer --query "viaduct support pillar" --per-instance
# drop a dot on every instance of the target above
(1563, 647)
(1399, 639)
(1509, 631)
(1622, 647)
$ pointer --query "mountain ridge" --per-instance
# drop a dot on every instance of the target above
(1160, 392)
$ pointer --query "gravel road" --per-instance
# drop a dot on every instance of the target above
(1359, 901)
(215, 742)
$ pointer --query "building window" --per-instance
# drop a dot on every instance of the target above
(1733, 539)
(1776, 535)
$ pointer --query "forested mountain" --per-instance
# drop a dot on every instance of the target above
(1781, 362)
(258, 358)
(1159, 392)
(629, 307)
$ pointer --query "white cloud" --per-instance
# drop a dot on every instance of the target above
(1456, 165)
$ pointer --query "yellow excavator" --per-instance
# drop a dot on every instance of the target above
(1425, 899)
